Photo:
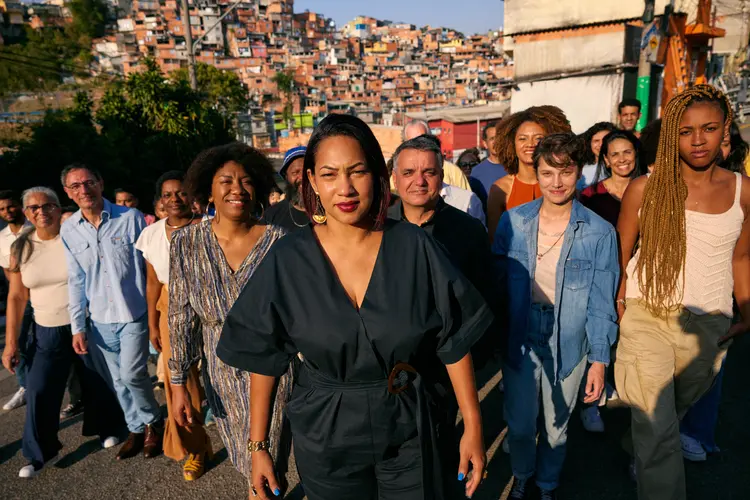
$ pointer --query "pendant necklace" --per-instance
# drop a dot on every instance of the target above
(540, 256)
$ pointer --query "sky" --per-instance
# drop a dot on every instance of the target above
(467, 16)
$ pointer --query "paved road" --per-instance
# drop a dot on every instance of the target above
(596, 467)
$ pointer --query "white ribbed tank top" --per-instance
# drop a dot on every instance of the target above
(708, 278)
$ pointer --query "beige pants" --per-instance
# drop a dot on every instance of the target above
(662, 369)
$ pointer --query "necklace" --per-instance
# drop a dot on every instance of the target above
(540, 256)
(291, 216)
(550, 235)
(170, 226)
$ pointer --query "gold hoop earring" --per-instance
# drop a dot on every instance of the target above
(208, 211)
(320, 216)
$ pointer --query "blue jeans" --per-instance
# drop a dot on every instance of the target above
(27, 326)
(700, 421)
(528, 386)
(50, 358)
(125, 349)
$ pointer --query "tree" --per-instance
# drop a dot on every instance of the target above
(222, 88)
(284, 81)
(143, 126)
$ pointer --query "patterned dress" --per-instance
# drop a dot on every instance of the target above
(202, 290)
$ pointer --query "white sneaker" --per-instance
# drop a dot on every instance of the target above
(29, 471)
(692, 449)
(506, 446)
(110, 442)
(592, 420)
(17, 401)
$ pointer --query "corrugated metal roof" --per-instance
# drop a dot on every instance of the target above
(573, 27)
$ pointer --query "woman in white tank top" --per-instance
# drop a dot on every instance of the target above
(685, 246)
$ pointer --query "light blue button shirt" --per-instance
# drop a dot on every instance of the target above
(106, 274)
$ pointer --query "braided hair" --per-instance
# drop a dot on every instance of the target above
(551, 118)
(663, 238)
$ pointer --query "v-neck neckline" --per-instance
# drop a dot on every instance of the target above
(329, 265)
(223, 257)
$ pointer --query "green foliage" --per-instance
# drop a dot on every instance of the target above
(143, 126)
(284, 81)
(222, 88)
(41, 58)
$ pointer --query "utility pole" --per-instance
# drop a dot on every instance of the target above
(644, 67)
(189, 44)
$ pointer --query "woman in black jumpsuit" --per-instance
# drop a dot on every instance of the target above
(361, 412)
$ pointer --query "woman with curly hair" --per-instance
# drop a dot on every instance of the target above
(689, 221)
(210, 263)
(515, 141)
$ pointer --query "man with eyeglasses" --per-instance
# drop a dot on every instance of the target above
(11, 211)
(107, 280)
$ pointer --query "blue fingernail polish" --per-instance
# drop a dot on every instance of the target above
(276, 492)
(461, 476)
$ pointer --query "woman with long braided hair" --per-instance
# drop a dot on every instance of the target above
(689, 222)
(515, 141)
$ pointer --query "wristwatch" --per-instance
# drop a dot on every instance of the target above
(253, 446)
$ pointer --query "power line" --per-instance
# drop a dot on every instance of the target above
(81, 68)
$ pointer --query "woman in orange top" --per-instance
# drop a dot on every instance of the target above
(515, 141)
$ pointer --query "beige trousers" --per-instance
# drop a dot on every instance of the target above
(662, 369)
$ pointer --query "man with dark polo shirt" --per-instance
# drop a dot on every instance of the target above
(418, 177)
(289, 212)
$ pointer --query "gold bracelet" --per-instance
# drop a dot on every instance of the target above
(254, 446)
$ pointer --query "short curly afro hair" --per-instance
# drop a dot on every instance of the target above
(200, 175)
(551, 118)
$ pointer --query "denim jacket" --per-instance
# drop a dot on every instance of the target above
(587, 276)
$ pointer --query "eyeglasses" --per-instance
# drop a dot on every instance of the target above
(47, 207)
(77, 186)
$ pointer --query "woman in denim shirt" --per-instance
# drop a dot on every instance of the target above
(558, 266)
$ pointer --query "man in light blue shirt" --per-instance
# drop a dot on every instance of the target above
(107, 281)
(489, 170)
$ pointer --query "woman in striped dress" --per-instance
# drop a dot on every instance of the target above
(210, 263)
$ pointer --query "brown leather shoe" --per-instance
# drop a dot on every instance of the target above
(152, 445)
(132, 446)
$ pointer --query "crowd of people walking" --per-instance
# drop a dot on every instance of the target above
(345, 316)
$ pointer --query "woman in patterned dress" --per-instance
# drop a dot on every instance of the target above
(210, 263)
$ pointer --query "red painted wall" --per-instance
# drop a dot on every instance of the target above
(457, 136)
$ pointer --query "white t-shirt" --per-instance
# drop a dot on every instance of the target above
(45, 274)
(464, 200)
(154, 245)
(7, 237)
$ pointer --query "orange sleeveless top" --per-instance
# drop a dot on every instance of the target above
(521, 193)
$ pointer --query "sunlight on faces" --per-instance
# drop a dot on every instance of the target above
(232, 192)
(620, 157)
(558, 184)
(701, 134)
(294, 173)
(489, 137)
(344, 183)
(10, 211)
(125, 199)
(175, 201)
(528, 135)
(629, 117)
(84, 188)
(417, 177)
(596, 143)
(42, 211)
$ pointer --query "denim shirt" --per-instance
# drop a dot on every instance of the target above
(587, 276)
(106, 274)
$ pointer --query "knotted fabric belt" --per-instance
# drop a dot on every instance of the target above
(402, 377)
